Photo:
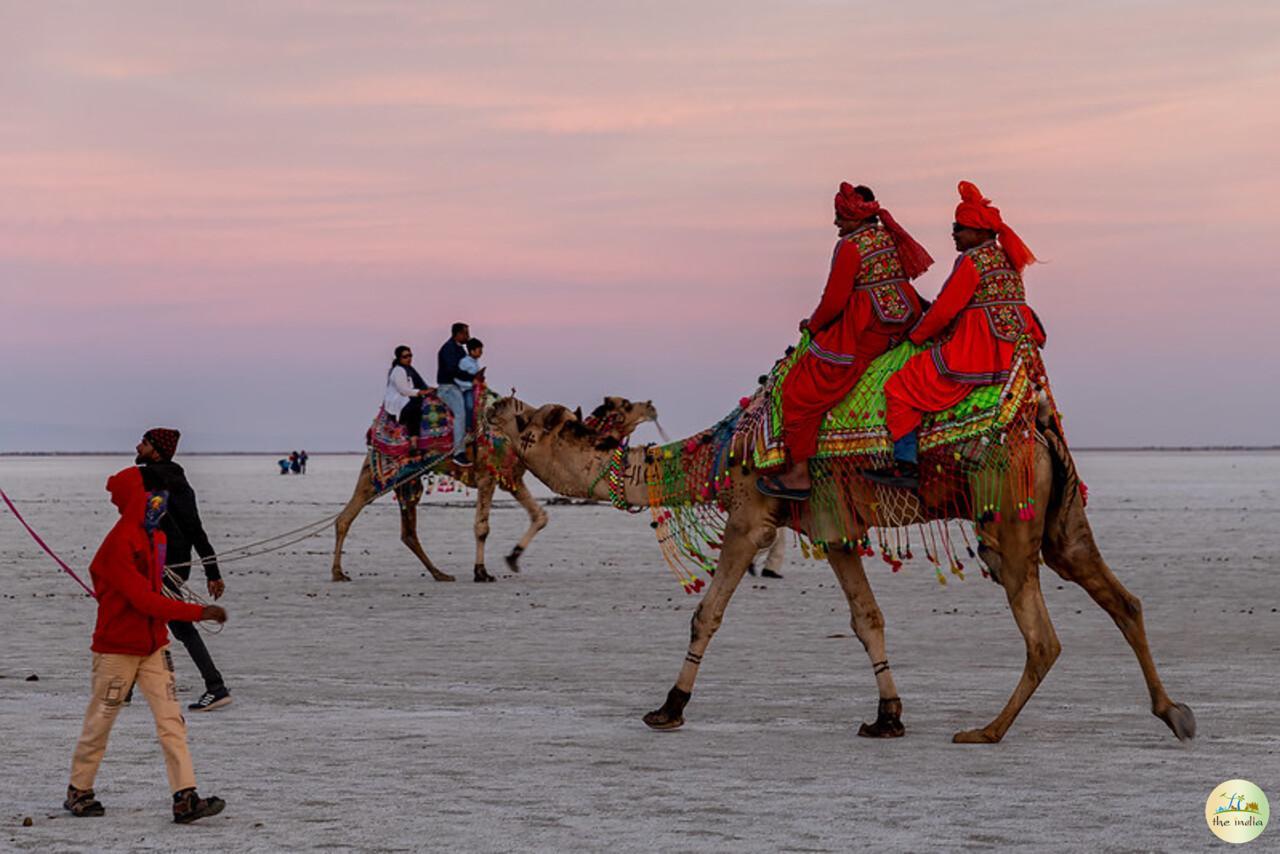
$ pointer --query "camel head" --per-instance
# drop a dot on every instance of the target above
(619, 417)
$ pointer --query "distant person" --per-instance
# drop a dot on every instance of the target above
(295, 465)
(302, 460)
(284, 465)
(403, 398)
(183, 530)
(448, 372)
(470, 364)
(131, 643)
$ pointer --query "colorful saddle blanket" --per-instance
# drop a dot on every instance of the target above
(855, 429)
(388, 441)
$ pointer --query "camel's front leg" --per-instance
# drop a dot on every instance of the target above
(409, 536)
(868, 625)
(741, 543)
(1020, 575)
(363, 495)
(537, 521)
(485, 482)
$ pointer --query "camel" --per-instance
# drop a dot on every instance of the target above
(616, 417)
(1011, 547)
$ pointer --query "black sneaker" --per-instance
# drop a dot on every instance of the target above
(461, 460)
(188, 806)
(211, 700)
(769, 573)
(81, 803)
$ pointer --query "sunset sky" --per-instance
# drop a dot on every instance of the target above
(224, 216)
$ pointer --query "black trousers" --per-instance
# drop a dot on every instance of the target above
(190, 637)
(410, 417)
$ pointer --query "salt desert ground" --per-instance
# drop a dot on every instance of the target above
(399, 714)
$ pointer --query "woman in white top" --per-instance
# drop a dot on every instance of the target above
(405, 388)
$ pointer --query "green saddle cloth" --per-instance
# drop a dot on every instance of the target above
(855, 428)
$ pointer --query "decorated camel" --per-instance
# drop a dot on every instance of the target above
(1000, 462)
(495, 465)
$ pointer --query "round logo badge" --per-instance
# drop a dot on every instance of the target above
(1237, 811)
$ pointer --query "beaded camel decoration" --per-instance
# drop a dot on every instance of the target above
(496, 465)
(706, 510)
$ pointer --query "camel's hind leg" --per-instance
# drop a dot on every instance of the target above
(363, 494)
(537, 521)
(1070, 550)
(409, 533)
(485, 482)
(868, 625)
(1020, 575)
(742, 541)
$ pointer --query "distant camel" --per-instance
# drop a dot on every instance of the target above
(571, 464)
(616, 417)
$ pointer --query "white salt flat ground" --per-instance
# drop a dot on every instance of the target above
(395, 713)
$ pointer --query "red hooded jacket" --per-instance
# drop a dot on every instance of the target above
(132, 612)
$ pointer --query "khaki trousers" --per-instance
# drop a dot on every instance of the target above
(112, 676)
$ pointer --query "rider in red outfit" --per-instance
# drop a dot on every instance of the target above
(867, 306)
(979, 316)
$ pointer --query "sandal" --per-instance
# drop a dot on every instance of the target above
(771, 487)
(81, 803)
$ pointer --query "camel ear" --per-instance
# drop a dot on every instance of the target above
(577, 413)
(608, 443)
(522, 421)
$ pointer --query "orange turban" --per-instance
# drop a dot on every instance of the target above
(975, 211)
(849, 205)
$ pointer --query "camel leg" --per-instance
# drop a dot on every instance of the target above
(868, 625)
(485, 483)
(742, 541)
(1020, 576)
(409, 536)
(363, 494)
(537, 521)
(1079, 560)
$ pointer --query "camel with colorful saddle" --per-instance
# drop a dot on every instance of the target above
(390, 465)
(996, 464)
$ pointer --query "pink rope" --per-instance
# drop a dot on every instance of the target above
(41, 543)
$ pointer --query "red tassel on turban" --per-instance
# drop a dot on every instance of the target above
(975, 211)
(851, 206)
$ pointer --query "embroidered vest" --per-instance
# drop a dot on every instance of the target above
(881, 273)
(1000, 293)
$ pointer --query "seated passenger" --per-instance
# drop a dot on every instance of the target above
(867, 306)
(403, 399)
(470, 364)
(979, 316)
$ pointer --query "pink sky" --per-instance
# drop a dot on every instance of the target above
(223, 216)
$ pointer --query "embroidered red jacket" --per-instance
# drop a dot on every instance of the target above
(979, 315)
(133, 614)
(866, 291)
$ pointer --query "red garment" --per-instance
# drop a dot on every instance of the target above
(975, 211)
(127, 570)
(851, 207)
(867, 303)
(980, 314)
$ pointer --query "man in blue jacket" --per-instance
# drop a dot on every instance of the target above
(448, 372)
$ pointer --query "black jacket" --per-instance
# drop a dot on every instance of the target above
(447, 360)
(181, 524)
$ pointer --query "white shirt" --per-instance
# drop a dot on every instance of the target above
(399, 391)
(471, 366)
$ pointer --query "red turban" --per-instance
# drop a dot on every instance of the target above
(975, 211)
(164, 440)
(849, 205)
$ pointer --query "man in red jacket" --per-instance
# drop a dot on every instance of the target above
(978, 318)
(867, 306)
(130, 644)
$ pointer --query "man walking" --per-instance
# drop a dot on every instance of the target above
(183, 530)
(448, 371)
(131, 643)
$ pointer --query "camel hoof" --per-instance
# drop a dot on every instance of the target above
(482, 574)
(442, 576)
(341, 576)
(883, 728)
(659, 720)
(1181, 720)
(974, 736)
(513, 562)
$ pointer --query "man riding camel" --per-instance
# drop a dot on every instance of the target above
(976, 322)
(867, 306)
